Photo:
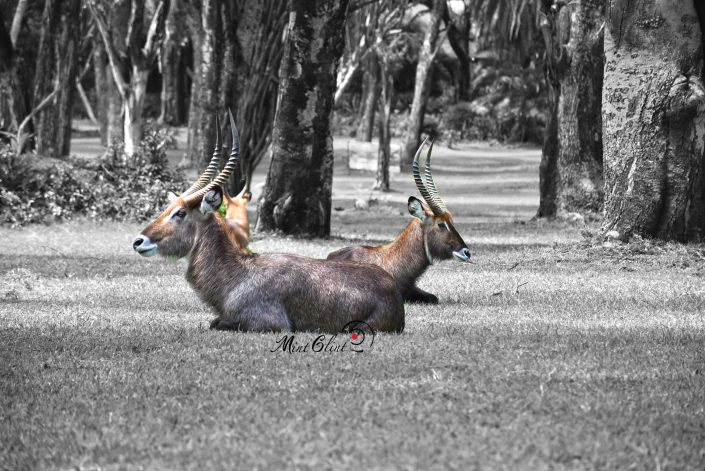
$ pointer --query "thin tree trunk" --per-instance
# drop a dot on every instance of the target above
(17, 21)
(384, 152)
(100, 85)
(297, 198)
(571, 164)
(169, 60)
(133, 109)
(459, 40)
(369, 100)
(12, 105)
(654, 120)
(191, 158)
(422, 86)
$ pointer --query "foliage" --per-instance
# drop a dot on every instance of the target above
(510, 106)
(41, 189)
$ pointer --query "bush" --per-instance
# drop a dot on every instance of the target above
(43, 189)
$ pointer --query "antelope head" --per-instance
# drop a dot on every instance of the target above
(172, 233)
(441, 240)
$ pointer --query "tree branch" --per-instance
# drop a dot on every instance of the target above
(17, 21)
(122, 86)
(149, 48)
(21, 139)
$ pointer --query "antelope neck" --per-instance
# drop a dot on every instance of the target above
(411, 242)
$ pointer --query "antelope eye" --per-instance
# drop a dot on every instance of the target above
(180, 214)
(442, 226)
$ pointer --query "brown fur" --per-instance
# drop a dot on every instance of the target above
(236, 215)
(405, 257)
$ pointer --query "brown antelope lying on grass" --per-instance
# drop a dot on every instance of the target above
(429, 236)
(269, 292)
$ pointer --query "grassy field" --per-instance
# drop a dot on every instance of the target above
(550, 351)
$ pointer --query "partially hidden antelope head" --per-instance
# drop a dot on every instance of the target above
(172, 233)
(236, 211)
(429, 236)
(269, 292)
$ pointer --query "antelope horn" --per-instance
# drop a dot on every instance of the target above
(431, 185)
(213, 165)
(415, 170)
(230, 165)
(437, 210)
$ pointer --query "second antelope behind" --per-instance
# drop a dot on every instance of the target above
(429, 236)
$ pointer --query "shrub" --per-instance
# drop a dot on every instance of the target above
(42, 189)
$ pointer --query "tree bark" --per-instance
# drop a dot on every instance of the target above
(370, 97)
(384, 152)
(297, 198)
(422, 86)
(56, 62)
(571, 163)
(169, 61)
(654, 120)
(12, 108)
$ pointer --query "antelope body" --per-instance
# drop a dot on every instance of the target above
(429, 236)
(269, 292)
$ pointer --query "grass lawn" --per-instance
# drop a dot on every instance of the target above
(547, 352)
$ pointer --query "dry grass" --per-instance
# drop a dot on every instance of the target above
(547, 352)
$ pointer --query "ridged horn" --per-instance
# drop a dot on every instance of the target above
(437, 210)
(213, 165)
(230, 165)
(431, 185)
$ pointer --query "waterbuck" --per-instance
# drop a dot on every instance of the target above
(429, 236)
(269, 292)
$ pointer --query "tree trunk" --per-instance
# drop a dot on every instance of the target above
(169, 60)
(384, 151)
(208, 82)
(458, 24)
(371, 91)
(12, 103)
(133, 109)
(56, 62)
(422, 86)
(297, 198)
(100, 85)
(654, 120)
(571, 164)
(194, 112)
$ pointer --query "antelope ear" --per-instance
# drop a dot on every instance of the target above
(171, 197)
(416, 209)
(211, 201)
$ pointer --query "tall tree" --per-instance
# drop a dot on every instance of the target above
(55, 75)
(297, 198)
(171, 66)
(422, 85)
(131, 44)
(12, 102)
(654, 120)
(571, 163)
